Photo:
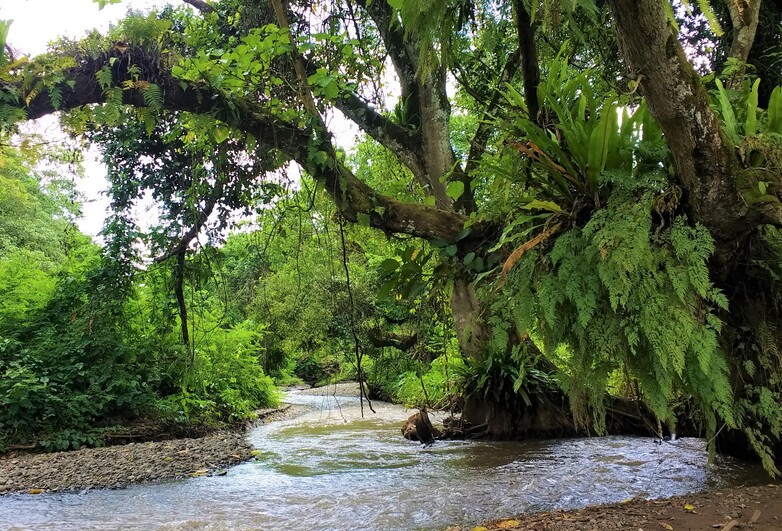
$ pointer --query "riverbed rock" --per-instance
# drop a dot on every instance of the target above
(118, 466)
(419, 428)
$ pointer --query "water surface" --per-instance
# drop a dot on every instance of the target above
(330, 469)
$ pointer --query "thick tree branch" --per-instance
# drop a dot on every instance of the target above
(381, 338)
(401, 141)
(200, 5)
(704, 158)
(425, 99)
(353, 197)
(529, 58)
(744, 15)
(403, 56)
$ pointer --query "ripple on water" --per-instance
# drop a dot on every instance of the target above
(329, 469)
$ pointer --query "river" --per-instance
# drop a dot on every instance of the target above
(331, 469)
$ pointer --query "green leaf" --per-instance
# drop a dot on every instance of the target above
(536, 204)
(775, 111)
(728, 116)
(600, 142)
(331, 90)
(750, 126)
(389, 265)
(454, 190)
(463, 234)
(451, 250)
(221, 133)
(153, 97)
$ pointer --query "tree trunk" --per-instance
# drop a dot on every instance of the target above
(717, 197)
(468, 318)
(744, 15)
(752, 338)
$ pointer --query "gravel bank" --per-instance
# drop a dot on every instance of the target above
(756, 508)
(118, 466)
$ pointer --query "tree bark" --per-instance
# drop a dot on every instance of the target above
(468, 318)
(744, 15)
(529, 59)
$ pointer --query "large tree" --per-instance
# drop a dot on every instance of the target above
(548, 170)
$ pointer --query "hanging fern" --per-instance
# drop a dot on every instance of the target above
(622, 295)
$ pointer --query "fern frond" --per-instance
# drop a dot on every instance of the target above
(153, 96)
(105, 77)
(711, 17)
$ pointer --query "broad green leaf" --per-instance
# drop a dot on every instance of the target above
(331, 90)
(454, 190)
(463, 234)
(775, 111)
(599, 143)
(536, 204)
(5, 25)
(750, 127)
(221, 133)
(514, 97)
(389, 265)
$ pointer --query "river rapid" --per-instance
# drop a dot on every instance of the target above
(331, 469)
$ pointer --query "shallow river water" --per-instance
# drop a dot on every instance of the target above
(329, 469)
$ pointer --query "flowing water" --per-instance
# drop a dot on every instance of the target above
(331, 469)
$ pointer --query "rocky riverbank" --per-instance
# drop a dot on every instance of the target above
(120, 465)
(756, 508)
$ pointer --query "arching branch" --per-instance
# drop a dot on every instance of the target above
(200, 5)
(401, 141)
(355, 200)
(381, 338)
